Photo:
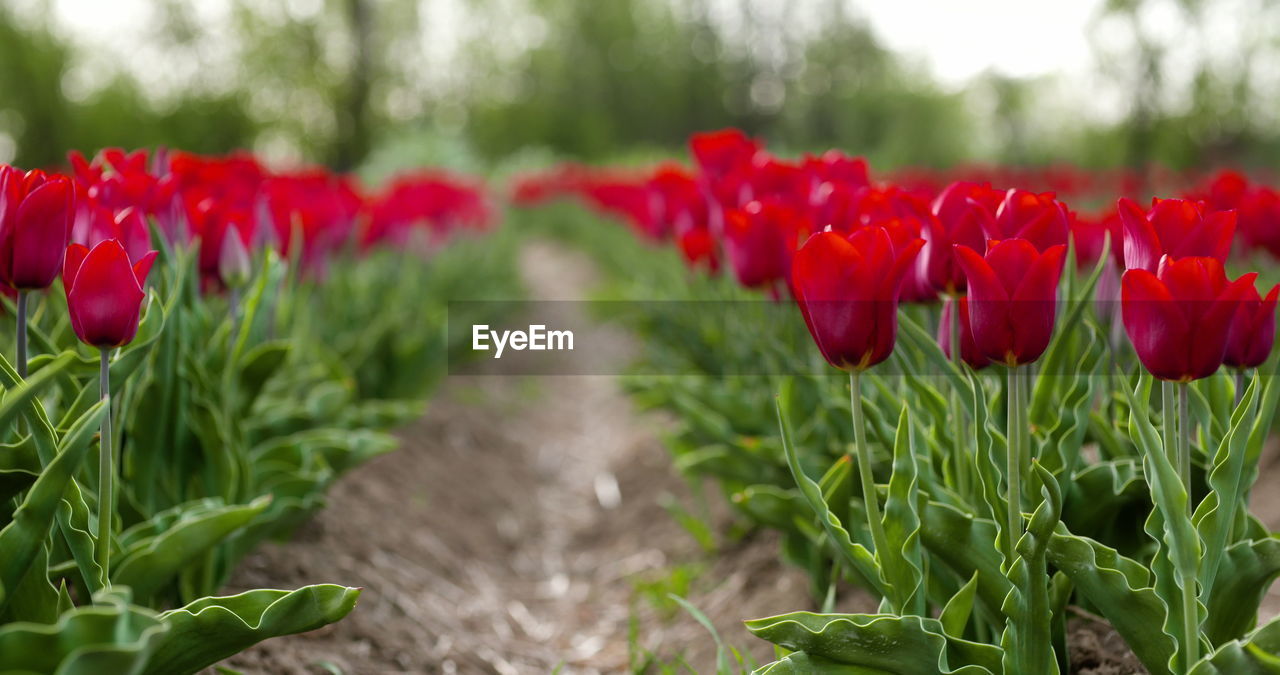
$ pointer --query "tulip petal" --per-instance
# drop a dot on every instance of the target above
(40, 234)
(1141, 244)
(143, 267)
(1154, 323)
(1034, 304)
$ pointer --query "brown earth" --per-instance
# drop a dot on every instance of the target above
(522, 526)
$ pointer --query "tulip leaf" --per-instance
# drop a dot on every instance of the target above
(864, 563)
(955, 614)
(968, 546)
(1176, 561)
(110, 636)
(920, 341)
(1246, 570)
(1224, 505)
(17, 398)
(1258, 653)
(187, 532)
(902, 564)
(883, 642)
(211, 629)
(26, 532)
(1120, 588)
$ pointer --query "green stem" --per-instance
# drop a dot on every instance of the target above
(22, 334)
(1169, 419)
(1013, 463)
(1184, 441)
(869, 497)
(106, 477)
(1240, 384)
(962, 455)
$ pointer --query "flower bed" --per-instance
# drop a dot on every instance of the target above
(1047, 463)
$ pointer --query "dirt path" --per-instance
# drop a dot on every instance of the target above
(520, 527)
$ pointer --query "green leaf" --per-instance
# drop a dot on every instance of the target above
(857, 554)
(16, 399)
(151, 562)
(211, 629)
(902, 564)
(1255, 654)
(893, 644)
(22, 537)
(1121, 590)
(107, 637)
(955, 615)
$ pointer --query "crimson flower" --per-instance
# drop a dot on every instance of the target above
(1175, 227)
(1253, 329)
(960, 212)
(1012, 298)
(36, 212)
(847, 288)
(1178, 318)
(104, 292)
(968, 348)
(760, 241)
(1040, 219)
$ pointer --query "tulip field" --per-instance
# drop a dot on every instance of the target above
(1089, 450)
(986, 406)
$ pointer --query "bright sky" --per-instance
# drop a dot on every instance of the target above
(956, 39)
(962, 38)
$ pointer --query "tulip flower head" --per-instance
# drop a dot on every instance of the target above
(36, 213)
(1012, 298)
(1175, 227)
(1179, 317)
(104, 292)
(761, 240)
(1039, 219)
(1253, 330)
(960, 212)
(847, 288)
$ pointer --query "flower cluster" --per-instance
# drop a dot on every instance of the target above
(996, 252)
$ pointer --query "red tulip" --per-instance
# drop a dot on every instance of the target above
(1040, 219)
(1012, 297)
(760, 241)
(719, 152)
(968, 348)
(1174, 227)
(847, 289)
(104, 293)
(1178, 318)
(36, 212)
(1253, 330)
(960, 212)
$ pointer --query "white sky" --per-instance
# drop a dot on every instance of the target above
(956, 39)
(962, 38)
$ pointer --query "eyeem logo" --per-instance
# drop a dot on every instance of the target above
(537, 339)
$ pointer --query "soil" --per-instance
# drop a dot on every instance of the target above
(523, 526)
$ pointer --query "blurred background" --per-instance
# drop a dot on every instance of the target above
(363, 83)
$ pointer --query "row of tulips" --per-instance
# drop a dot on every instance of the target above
(216, 356)
(979, 491)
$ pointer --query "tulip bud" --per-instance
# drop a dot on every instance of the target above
(104, 292)
(234, 265)
(1174, 227)
(36, 213)
(1012, 298)
(1178, 318)
(1253, 330)
(847, 289)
